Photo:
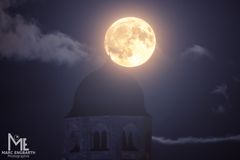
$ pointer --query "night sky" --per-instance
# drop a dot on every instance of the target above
(191, 83)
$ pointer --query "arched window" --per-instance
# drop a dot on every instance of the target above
(96, 140)
(127, 141)
(100, 137)
(100, 140)
(129, 137)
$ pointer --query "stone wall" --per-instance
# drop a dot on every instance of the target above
(79, 137)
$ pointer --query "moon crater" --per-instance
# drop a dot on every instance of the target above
(130, 41)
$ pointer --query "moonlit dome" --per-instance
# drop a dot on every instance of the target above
(108, 91)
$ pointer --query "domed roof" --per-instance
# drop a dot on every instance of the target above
(108, 91)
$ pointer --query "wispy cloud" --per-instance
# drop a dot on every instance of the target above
(24, 40)
(196, 52)
(222, 90)
(194, 140)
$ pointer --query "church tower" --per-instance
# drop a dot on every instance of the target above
(108, 120)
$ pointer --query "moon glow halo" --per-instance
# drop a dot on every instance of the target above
(130, 41)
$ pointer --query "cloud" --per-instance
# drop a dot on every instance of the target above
(196, 52)
(194, 140)
(23, 40)
(219, 109)
(236, 79)
(221, 90)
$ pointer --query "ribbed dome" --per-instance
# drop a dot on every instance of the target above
(108, 91)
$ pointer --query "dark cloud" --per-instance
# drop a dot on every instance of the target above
(194, 140)
(20, 39)
(236, 79)
(219, 109)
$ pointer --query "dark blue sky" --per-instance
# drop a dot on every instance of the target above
(191, 83)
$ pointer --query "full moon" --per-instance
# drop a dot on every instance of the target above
(130, 41)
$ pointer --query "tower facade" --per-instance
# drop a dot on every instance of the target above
(108, 120)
